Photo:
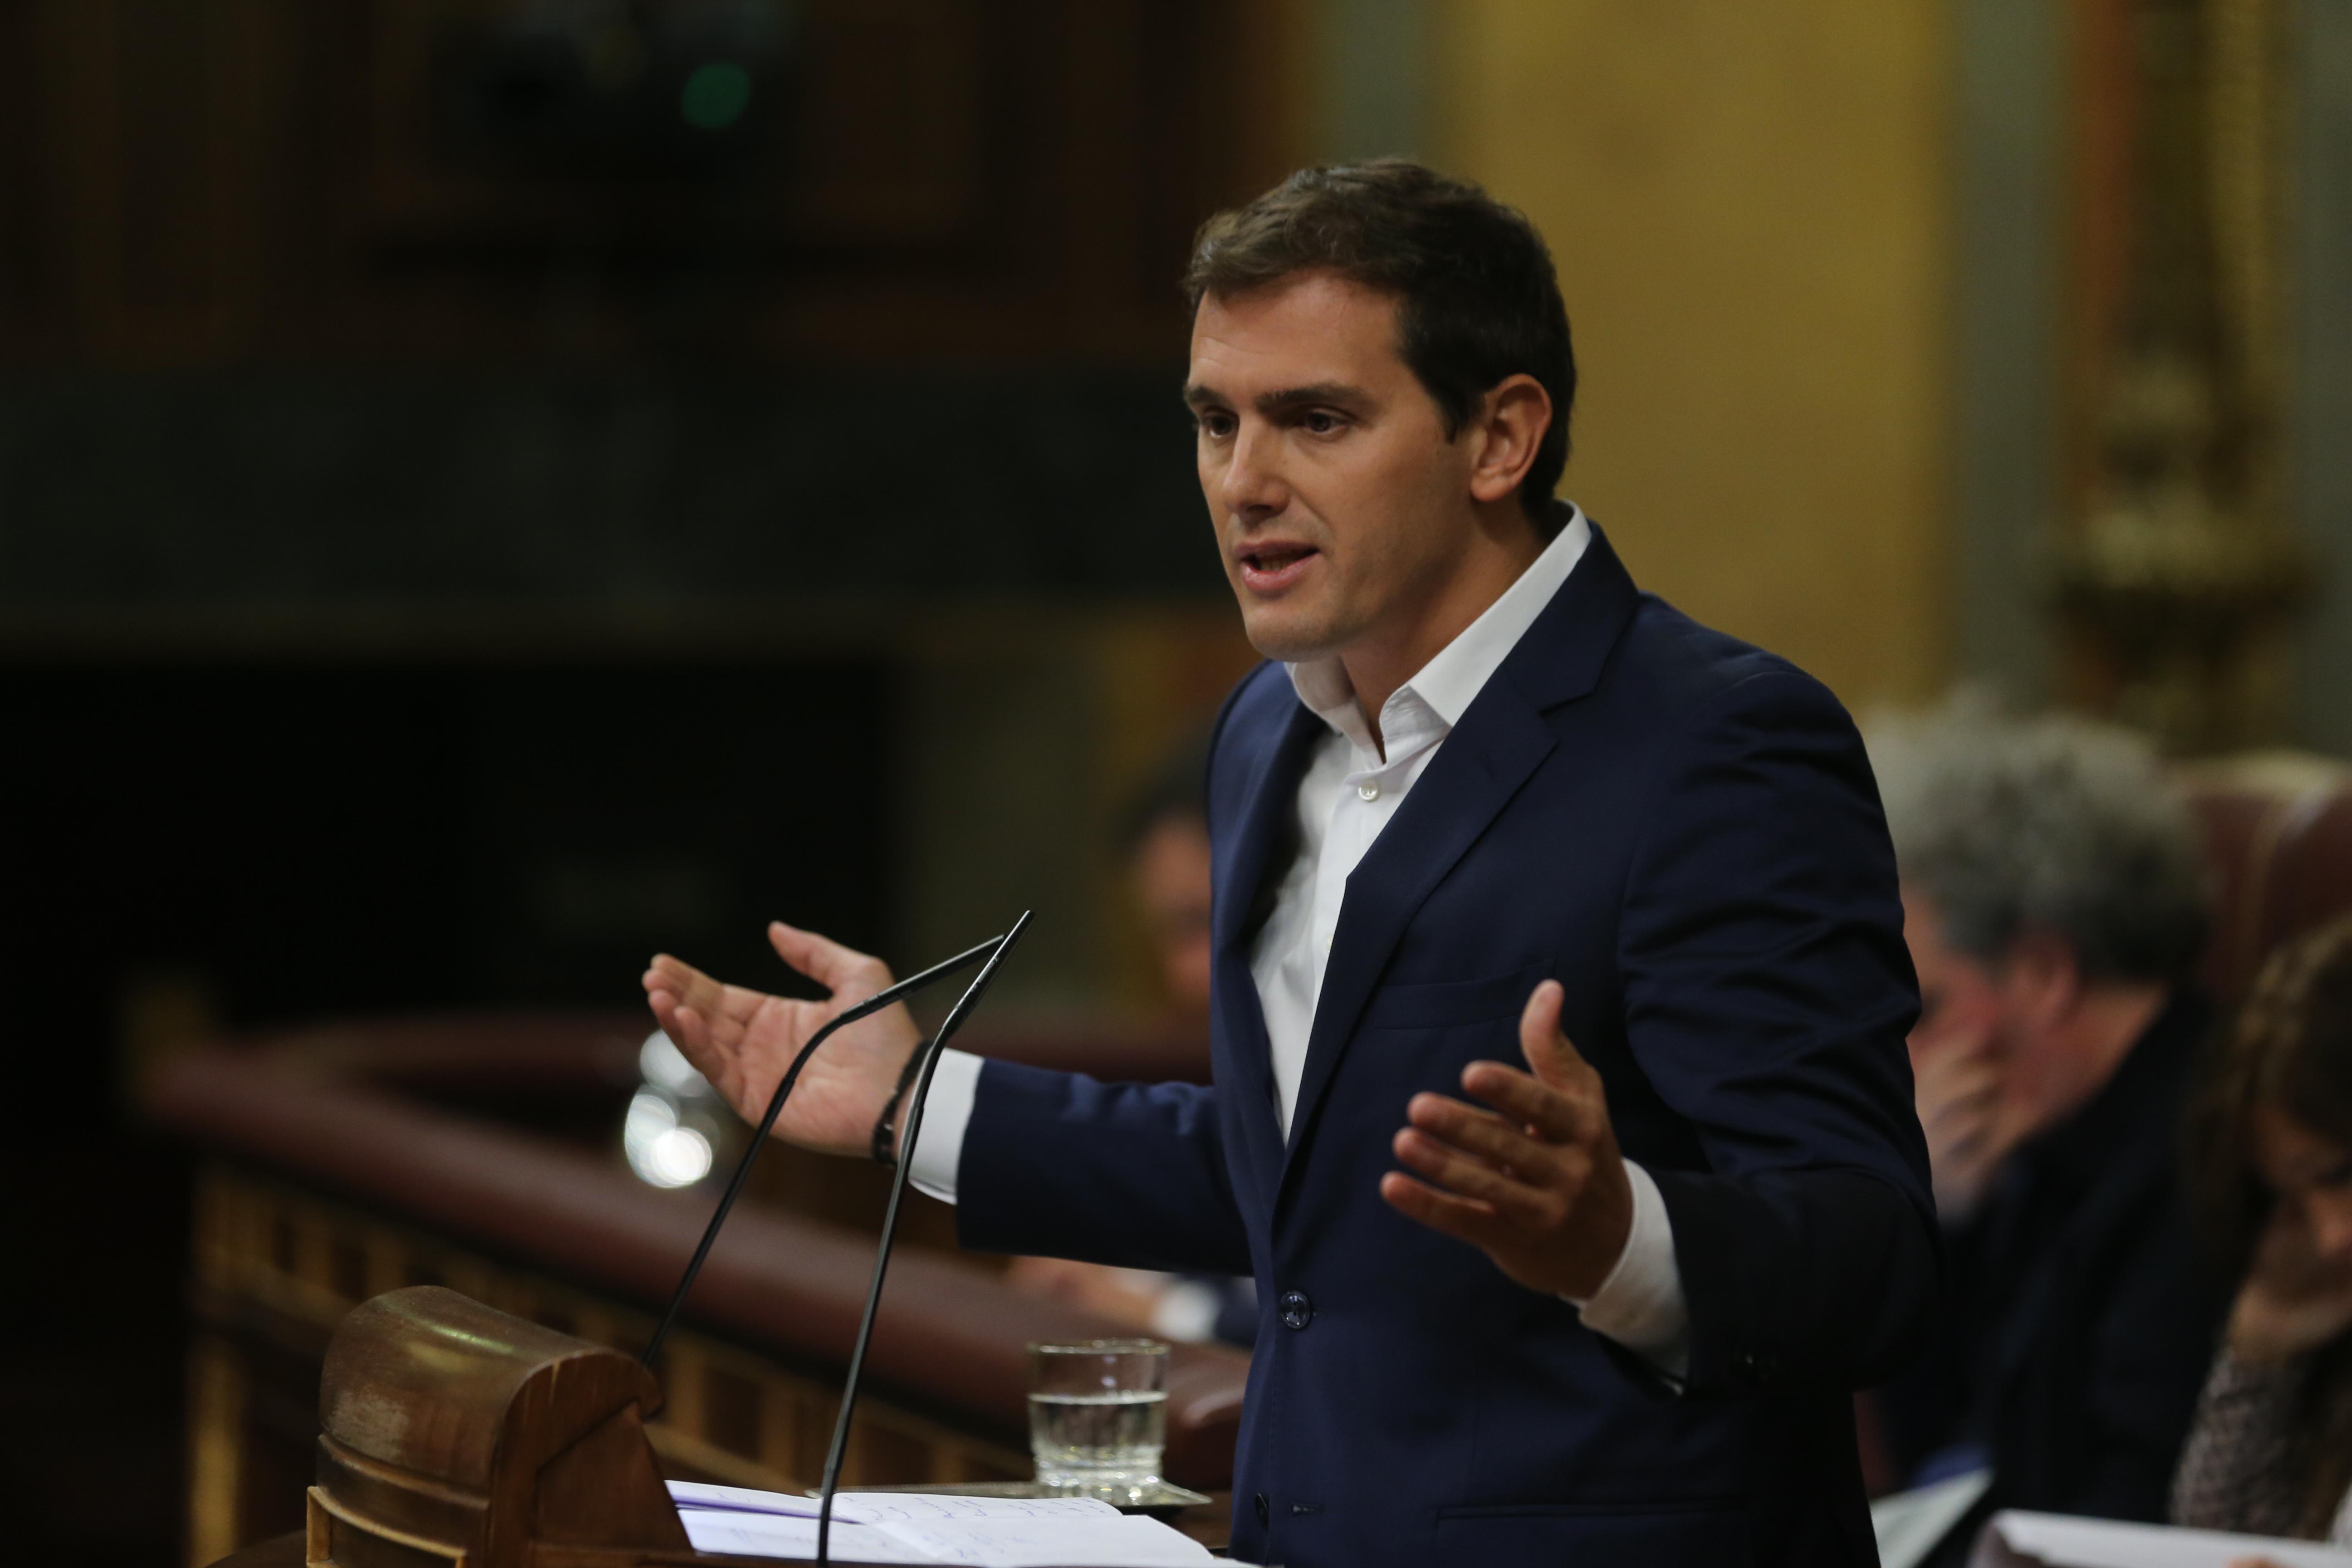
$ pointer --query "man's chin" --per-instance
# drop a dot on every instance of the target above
(1289, 638)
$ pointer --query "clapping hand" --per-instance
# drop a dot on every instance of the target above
(1535, 1182)
(742, 1040)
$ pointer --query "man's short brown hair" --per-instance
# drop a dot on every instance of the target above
(1478, 300)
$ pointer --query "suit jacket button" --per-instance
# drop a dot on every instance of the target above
(1297, 1311)
(1265, 1510)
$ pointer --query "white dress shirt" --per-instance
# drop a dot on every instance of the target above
(1352, 787)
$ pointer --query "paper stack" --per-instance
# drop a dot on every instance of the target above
(930, 1526)
(2056, 1540)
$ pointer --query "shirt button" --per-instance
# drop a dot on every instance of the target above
(1297, 1311)
(1368, 790)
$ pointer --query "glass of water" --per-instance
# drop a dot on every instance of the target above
(1098, 1414)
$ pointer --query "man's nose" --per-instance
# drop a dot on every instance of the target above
(1253, 488)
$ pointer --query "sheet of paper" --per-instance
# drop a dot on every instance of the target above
(1052, 1539)
(868, 1508)
(931, 1527)
(2057, 1540)
(1909, 1525)
(1122, 1541)
(750, 1499)
(918, 1506)
(751, 1534)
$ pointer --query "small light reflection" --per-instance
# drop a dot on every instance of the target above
(678, 1158)
(716, 96)
(677, 1127)
(663, 1063)
(662, 1153)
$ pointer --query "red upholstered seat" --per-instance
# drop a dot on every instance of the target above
(2278, 837)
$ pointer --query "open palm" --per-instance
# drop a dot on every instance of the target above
(742, 1040)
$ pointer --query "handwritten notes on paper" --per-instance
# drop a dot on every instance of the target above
(926, 1527)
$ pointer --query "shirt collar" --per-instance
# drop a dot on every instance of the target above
(1448, 683)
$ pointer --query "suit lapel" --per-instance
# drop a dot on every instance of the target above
(1269, 807)
(1474, 773)
(1500, 741)
(1266, 823)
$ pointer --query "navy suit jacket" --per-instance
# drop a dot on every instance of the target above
(1684, 832)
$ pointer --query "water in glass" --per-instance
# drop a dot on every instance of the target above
(1098, 1439)
(1098, 1413)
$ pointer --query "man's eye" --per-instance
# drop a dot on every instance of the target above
(1217, 427)
(1321, 422)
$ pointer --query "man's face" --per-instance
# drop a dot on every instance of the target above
(1959, 997)
(1341, 508)
(1998, 1010)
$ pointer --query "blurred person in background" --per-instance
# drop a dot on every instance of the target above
(2055, 904)
(2271, 1452)
(1165, 842)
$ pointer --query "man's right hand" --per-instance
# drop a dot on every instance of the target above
(742, 1040)
(1958, 1088)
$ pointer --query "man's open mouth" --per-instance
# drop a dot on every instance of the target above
(1274, 565)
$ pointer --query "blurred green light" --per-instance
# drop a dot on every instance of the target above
(716, 96)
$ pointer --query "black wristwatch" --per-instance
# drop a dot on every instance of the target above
(885, 1135)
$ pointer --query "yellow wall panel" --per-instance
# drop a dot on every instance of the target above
(1748, 202)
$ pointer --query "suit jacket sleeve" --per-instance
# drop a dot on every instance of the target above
(1768, 994)
(1133, 1174)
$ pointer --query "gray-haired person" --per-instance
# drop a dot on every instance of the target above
(2055, 905)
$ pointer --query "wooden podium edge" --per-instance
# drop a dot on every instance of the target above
(291, 1550)
(318, 1538)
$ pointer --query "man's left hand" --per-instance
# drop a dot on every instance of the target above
(1534, 1181)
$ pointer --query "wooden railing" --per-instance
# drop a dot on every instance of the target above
(326, 1176)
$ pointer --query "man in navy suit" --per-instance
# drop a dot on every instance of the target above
(1522, 1300)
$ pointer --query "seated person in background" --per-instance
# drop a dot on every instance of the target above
(2054, 903)
(1165, 840)
(2271, 1453)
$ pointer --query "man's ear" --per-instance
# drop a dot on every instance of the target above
(1507, 431)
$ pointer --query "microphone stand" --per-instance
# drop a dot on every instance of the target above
(847, 1015)
(912, 1123)
(927, 1055)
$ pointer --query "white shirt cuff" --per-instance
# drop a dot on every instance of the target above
(938, 1143)
(1641, 1304)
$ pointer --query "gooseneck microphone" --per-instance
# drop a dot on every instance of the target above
(874, 1003)
(912, 1123)
(927, 1053)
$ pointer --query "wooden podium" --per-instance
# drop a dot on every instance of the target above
(458, 1436)
(454, 1436)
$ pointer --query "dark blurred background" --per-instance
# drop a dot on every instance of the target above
(490, 490)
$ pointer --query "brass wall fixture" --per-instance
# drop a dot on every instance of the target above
(2176, 574)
